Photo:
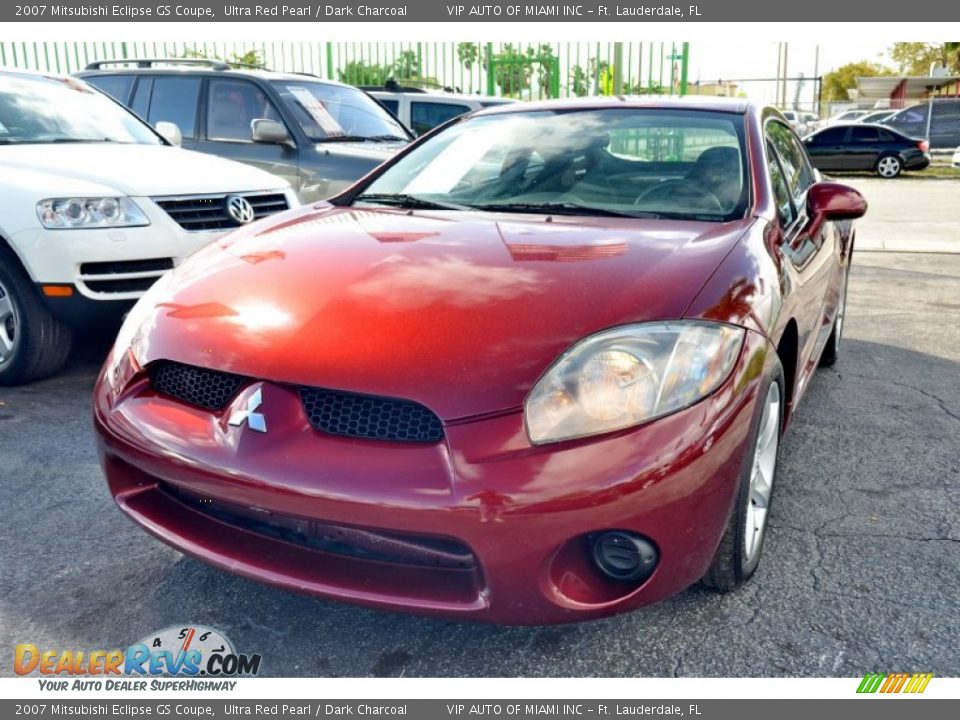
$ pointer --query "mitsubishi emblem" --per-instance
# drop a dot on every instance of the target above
(255, 420)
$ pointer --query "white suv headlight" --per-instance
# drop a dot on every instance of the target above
(628, 375)
(84, 213)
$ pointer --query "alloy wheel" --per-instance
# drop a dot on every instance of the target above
(762, 474)
(888, 167)
(8, 325)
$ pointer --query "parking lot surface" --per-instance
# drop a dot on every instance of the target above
(909, 214)
(861, 569)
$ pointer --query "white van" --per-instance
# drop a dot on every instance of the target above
(421, 111)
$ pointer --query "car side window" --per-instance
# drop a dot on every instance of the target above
(830, 136)
(232, 106)
(424, 116)
(116, 86)
(141, 97)
(174, 99)
(391, 105)
(796, 167)
(865, 135)
(781, 191)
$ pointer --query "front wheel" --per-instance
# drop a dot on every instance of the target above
(738, 554)
(889, 166)
(33, 343)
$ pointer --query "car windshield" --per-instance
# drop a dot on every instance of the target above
(328, 113)
(630, 162)
(64, 110)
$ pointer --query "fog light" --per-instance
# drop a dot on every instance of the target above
(624, 556)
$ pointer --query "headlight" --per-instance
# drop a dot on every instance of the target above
(69, 213)
(628, 375)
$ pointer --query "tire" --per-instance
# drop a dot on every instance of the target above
(888, 166)
(33, 343)
(831, 351)
(738, 554)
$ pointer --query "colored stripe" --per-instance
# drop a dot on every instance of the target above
(902, 678)
(926, 681)
(912, 685)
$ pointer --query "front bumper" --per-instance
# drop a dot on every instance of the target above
(523, 512)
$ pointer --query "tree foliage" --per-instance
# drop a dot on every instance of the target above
(251, 58)
(916, 58)
(837, 82)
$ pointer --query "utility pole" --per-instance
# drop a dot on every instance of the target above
(776, 87)
(816, 75)
(786, 48)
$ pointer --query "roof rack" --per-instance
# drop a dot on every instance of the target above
(154, 62)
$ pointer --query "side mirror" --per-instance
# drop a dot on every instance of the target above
(270, 132)
(170, 132)
(835, 201)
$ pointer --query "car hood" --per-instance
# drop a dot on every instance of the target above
(460, 311)
(130, 169)
(376, 152)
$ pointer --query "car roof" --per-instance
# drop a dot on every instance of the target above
(739, 106)
(178, 65)
(437, 95)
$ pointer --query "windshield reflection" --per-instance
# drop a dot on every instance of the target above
(616, 162)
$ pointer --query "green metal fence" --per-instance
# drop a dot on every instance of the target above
(521, 70)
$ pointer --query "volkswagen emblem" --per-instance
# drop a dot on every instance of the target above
(240, 209)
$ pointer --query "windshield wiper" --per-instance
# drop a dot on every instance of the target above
(563, 208)
(59, 140)
(405, 200)
(360, 138)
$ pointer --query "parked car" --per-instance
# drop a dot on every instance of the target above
(845, 117)
(956, 158)
(801, 122)
(422, 110)
(94, 207)
(943, 125)
(878, 116)
(548, 394)
(866, 147)
(319, 135)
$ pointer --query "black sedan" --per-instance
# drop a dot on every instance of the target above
(866, 147)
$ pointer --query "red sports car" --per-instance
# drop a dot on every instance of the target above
(534, 369)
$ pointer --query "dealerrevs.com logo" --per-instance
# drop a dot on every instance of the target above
(189, 651)
(887, 683)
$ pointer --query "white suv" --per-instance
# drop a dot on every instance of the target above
(94, 207)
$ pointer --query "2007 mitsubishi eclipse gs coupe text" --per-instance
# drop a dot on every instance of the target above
(534, 369)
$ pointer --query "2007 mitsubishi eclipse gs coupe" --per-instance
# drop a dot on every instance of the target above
(534, 369)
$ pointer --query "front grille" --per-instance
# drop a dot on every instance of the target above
(360, 543)
(368, 416)
(209, 212)
(331, 411)
(120, 286)
(126, 266)
(208, 389)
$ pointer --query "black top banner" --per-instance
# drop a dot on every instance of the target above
(305, 11)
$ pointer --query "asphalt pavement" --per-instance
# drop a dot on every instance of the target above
(861, 570)
(912, 213)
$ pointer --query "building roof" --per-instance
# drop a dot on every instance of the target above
(881, 88)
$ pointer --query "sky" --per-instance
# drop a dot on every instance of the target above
(713, 60)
